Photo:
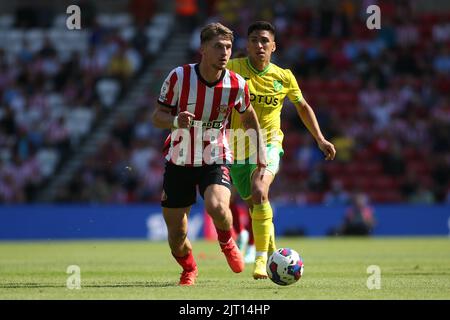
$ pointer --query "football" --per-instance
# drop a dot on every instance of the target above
(285, 266)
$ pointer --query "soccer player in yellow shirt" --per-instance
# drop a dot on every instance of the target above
(268, 85)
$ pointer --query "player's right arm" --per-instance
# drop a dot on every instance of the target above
(162, 118)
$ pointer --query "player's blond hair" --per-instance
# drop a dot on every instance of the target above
(215, 29)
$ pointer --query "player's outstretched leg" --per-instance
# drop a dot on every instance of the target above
(180, 246)
(217, 199)
(232, 254)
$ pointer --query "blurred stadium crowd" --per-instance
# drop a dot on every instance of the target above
(381, 96)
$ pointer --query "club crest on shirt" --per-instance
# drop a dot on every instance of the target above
(163, 196)
(277, 85)
(223, 108)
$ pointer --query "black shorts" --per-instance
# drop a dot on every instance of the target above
(180, 183)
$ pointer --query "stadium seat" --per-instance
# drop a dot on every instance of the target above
(163, 20)
(47, 159)
(363, 155)
(365, 168)
(390, 196)
(442, 83)
(127, 33)
(428, 18)
(6, 21)
(14, 38)
(314, 197)
(335, 169)
(410, 154)
(335, 86)
(108, 90)
(384, 183)
(5, 155)
(35, 39)
(59, 22)
(373, 168)
(418, 166)
(78, 122)
(114, 20)
(361, 182)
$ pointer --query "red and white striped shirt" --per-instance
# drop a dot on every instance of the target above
(205, 142)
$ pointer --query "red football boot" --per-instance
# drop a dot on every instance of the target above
(188, 277)
(234, 256)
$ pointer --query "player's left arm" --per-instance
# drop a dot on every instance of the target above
(308, 117)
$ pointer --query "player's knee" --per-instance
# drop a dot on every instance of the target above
(218, 210)
(259, 195)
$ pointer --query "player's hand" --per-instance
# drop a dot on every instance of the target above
(327, 148)
(184, 119)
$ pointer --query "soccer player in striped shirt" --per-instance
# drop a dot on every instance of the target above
(269, 85)
(196, 101)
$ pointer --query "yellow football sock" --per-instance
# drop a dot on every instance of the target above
(272, 245)
(262, 226)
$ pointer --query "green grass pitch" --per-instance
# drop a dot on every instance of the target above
(335, 268)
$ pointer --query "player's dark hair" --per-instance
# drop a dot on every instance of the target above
(260, 26)
(215, 29)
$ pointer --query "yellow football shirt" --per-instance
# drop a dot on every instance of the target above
(268, 88)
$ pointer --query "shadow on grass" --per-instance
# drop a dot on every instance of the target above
(247, 284)
(143, 284)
